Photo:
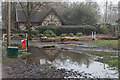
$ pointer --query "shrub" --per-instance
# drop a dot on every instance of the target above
(106, 28)
(58, 30)
(22, 35)
(40, 35)
(32, 36)
(53, 35)
(79, 34)
(16, 36)
(71, 34)
(47, 35)
(48, 32)
(34, 32)
(118, 35)
(63, 35)
(24, 31)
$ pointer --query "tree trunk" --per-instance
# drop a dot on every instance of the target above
(28, 21)
(8, 23)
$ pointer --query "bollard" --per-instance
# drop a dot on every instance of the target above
(92, 36)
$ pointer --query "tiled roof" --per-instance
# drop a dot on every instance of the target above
(38, 17)
(34, 18)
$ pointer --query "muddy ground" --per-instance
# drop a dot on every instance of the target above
(17, 68)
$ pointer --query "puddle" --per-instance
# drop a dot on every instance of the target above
(71, 60)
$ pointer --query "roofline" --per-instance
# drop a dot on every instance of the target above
(51, 10)
(41, 20)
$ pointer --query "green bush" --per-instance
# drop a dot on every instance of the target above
(22, 35)
(24, 31)
(63, 35)
(48, 32)
(47, 35)
(79, 34)
(34, 32)
(16, 36)
(40, 35)
(118, 35)
(58, 30)
(106, 28)
(53, 35)
(32, 36)
(71, 34)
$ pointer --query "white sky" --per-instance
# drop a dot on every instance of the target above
(0, 12)
(98, 1)
(101, 3)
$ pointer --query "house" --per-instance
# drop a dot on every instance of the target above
(43, 17)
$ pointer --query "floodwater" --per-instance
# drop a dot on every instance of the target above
(71, 60)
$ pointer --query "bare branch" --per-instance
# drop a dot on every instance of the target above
(36, 11)
(33, 8)
(23, 10)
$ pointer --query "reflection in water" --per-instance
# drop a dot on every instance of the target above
(58, 57)
(70, 60)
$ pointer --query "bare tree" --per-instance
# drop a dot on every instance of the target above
(29, 10)
(106, 11)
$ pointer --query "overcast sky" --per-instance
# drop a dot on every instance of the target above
(0, 11)
(100, 2)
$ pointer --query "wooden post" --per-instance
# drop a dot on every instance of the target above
(8, 23)
(92, 35)
(3, 40)
(27, 43)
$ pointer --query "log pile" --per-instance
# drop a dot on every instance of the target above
(56, 39)
(69, 39)
(49, 39)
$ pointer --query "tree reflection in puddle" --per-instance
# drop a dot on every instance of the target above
(70, 60)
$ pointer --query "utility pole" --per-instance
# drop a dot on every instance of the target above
(8, 23)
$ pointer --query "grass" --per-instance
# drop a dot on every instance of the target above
(33, 41)
(5, 60)
(13, 60)
(43, 72)
(109, 58)
(26, 53)
(105, 43)
(9, 61)
(3, 43)
(99, 53)
(111, 61)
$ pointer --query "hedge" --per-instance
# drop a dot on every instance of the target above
(58, 30)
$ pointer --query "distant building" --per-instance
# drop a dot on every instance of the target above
(43, 17)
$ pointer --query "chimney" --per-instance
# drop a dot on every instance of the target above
(38, 7)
